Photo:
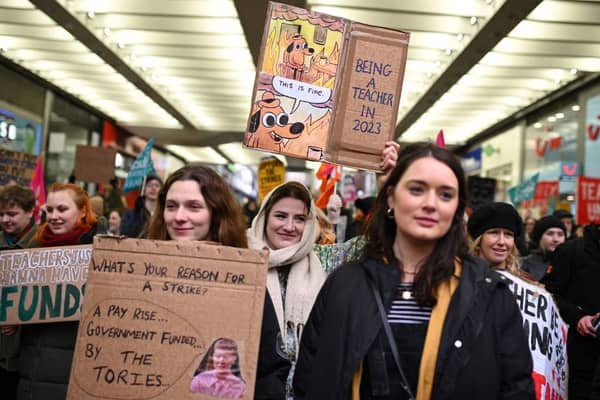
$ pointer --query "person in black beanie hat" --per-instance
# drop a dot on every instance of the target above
(547, 234)
(493, 228)
(361, 216)
(567, 219)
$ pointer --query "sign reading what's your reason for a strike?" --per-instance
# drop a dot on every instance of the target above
(165, 319)
(42, 285)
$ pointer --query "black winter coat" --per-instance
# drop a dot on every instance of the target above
(134, 221)
(574, 280)
(483, 351)
(46, 354)
(273, 368)
(536, 263)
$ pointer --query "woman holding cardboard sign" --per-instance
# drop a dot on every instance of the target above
(47, 349)
(416, 314)
(196, 204)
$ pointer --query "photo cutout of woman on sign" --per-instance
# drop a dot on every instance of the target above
(219, 372)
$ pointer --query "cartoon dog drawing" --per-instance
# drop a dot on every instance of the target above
(269, 128)
(293, 66)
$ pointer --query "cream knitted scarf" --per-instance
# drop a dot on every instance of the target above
(305, 278)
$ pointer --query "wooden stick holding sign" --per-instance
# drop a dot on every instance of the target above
(156, 310)
(43, 285)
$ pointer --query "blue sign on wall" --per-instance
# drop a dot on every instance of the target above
(471, 161)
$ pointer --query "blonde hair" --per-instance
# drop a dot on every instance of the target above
(511, 263)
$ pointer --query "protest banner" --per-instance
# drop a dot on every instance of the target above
(523, 191)
(545, 197)
(546, 335)
(94, 164)
(153, 311)
(16, 166)
(588, 200)
(327, 88)
(271, 173)
(140, 169)
(43, 284)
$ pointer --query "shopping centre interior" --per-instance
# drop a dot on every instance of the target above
(516, 81)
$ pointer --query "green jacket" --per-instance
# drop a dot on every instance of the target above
(9, 345)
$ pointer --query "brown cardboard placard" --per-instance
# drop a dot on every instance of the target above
(42, 285)
(16, 166)
(313, 67)
(94, 164)
(152, 311)
(369, 96)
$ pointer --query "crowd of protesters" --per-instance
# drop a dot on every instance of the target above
(399, 299)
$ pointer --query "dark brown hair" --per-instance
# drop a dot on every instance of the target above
(292, 189)
(381, 230)
(227, 225)
(17, 195)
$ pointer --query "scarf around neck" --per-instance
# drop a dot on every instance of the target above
(72, 238)
(305, 278)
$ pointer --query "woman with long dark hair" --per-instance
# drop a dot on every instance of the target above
(417, 314)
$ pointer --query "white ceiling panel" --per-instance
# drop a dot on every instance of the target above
(188, 65)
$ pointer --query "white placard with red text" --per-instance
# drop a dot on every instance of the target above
(546, 335)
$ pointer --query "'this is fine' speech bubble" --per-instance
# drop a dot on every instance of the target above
(301, 91)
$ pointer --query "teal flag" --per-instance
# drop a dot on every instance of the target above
(141, 167)
(523, 191)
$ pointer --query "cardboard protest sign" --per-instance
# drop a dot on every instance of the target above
(157, 313)
(588, 200)
(547, 337)
(94, 164)
(327, 88)
(43, 284)
(271, 173)
(16, 166)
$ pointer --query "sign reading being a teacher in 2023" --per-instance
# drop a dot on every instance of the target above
(165, 319)
(43, 284)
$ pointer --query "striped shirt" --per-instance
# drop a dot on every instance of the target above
(405, 309)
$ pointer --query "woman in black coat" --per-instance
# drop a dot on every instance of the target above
(573, 280)
(456, 326)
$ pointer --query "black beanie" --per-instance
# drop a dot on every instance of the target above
(365, 205)
(494, 215)
(560, 214)
(545, 223)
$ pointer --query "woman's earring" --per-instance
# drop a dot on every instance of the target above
(390, 213)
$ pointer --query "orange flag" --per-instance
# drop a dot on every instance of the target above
(329, 175)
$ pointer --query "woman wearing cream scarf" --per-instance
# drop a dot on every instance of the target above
(286, 224)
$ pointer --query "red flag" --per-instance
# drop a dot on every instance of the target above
(439, 140)
(38, 187)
